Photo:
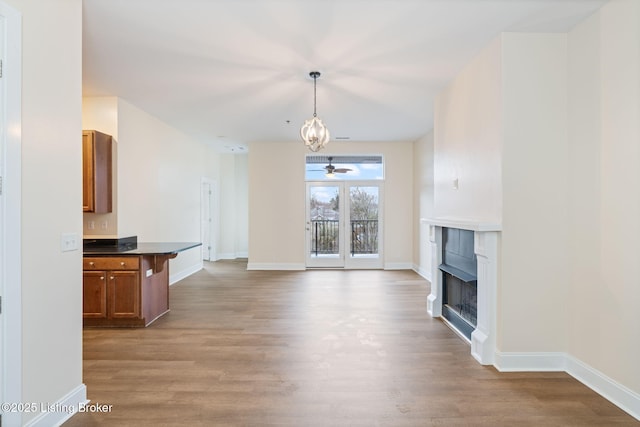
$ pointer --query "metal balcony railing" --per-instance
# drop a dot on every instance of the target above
(364, 236)
(325, 236)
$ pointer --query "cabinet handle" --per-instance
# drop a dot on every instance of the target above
(92, 264)
(122, 263)
(101, 277)
(111, 277)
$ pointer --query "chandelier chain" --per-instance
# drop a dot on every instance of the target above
(315, 77)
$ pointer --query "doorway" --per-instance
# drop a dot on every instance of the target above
(344, 224)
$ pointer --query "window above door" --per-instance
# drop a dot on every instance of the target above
(344, 167)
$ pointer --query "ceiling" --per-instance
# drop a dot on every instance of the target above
(231, 72)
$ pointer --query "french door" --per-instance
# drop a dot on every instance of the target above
(344, 224)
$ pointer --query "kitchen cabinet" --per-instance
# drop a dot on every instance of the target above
(96, 172)
(94, 294)
(112, 291)
(126, 283)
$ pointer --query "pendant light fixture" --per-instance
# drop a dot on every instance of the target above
(314, 133)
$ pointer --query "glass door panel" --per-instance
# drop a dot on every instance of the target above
(344, 231)
(364, 226)
(324, 225)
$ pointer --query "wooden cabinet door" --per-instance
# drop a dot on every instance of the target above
(124, 294)
(94, 294)
(88, 183)
(96, 172)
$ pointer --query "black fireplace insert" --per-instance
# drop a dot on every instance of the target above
(459, 280)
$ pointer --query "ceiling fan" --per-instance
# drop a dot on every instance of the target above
(330, 170)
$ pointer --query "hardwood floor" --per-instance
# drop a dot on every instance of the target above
(314, 348)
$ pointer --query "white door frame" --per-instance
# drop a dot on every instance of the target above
(363, 262)
(328, 261)
(344, 258)
(10, 200)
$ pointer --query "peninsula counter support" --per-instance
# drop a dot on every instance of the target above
(127, 288)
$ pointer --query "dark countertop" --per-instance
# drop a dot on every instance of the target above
(160, 248)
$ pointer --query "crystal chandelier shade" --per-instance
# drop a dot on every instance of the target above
(313, 132)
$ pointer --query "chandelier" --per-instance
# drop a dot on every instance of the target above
(314, 133)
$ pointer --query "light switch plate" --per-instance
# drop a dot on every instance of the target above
(69, 242)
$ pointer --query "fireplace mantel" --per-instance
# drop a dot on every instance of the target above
(486, 249)
(463, 223)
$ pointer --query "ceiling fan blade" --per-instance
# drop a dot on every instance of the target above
(341, 170)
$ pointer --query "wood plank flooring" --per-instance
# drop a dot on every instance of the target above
(314, 348)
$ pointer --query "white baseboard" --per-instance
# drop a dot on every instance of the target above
(274, 266)
(62, 410)
(232, 255)
(226, 255)
(426, 274)
(618, 394)
(530, 362)
(176, 277)
(398, 266)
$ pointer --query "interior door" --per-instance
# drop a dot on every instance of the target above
(325, 225)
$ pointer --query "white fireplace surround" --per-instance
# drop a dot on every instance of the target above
(485, 246)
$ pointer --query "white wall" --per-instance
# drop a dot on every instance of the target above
(568, 121)
(276, 205)
(604, 135)
(468, 141)
(500, 127)
(535, 271)
(277, 202)
(51, 200)
(157, 180)
(157, 173)
(242, 205)
(423, 203)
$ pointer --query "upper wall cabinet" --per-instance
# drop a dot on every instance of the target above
(96, 172)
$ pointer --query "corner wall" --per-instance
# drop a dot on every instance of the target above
(423, 203)
(468, 141)
(534, 265)
(51, 195)
(101, 114)
(604, 142)
(570, 161)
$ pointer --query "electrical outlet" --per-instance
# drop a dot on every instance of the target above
(104, 224)
(91, 225)
(69, 242)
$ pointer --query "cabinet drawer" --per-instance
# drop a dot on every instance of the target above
(111, 263)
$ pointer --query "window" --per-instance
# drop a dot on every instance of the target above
(349, 167)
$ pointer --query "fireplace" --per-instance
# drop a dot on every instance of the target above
(459, 280)
(464, 280)
(460, 304)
